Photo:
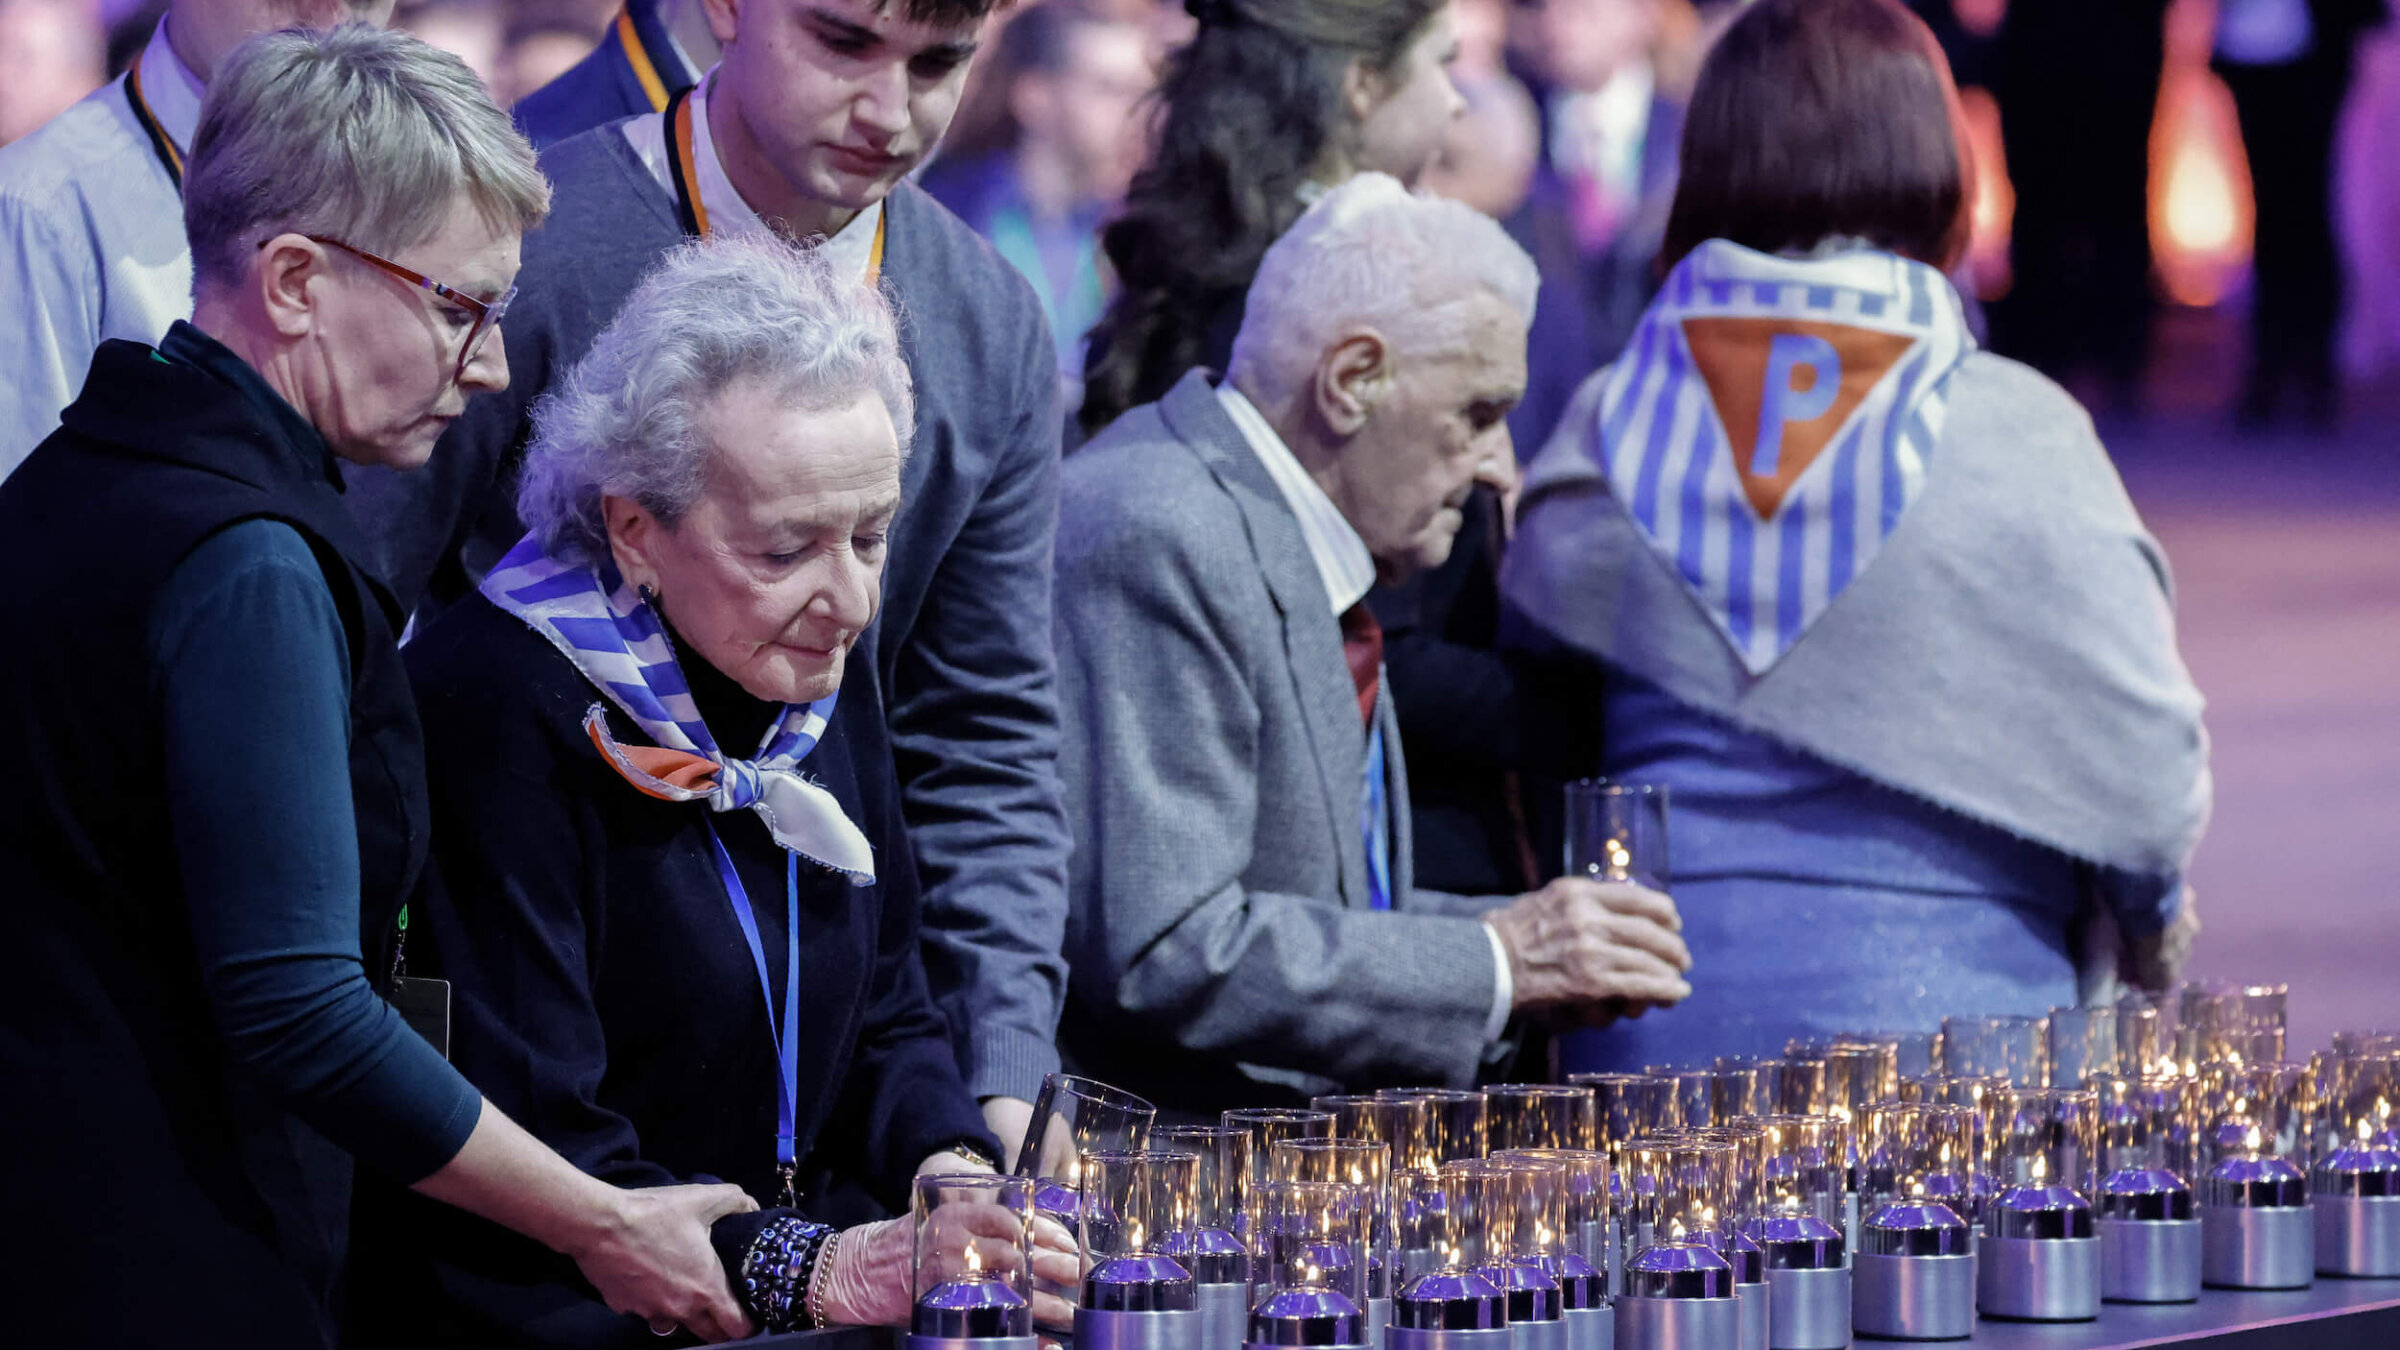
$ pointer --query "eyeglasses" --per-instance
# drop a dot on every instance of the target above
(487, 313)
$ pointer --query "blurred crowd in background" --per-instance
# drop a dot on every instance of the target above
(2133, 158)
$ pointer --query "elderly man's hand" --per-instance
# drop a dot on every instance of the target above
(2155, 963)
(1581, 943)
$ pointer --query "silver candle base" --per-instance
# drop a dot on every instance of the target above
(1808, 1309)
(1678, 1323)
(1096, 1329)
(2038, 1279)
(1225, 1316)
(2258, 1248)
(1590, 1328)
(2150, 1260)
(1912, 1298)
(1431, 1338)
(1751, 1304)
(1544, 1335)
(1379, 1317)
(2358, 1237)
(915, 1342)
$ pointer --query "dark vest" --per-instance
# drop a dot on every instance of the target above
(154, 1191)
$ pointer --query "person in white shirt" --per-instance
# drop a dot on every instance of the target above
(1244, 927)
(92, 206)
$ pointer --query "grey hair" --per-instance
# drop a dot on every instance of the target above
(1370, 253)
(361, 135)
(625, 421)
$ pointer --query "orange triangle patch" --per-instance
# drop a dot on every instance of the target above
(1783, 388)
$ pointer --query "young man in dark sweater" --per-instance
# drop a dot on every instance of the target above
(808, 127)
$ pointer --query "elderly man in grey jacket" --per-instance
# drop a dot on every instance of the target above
(1242, 927)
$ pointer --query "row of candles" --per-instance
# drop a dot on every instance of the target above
(1887, 1184)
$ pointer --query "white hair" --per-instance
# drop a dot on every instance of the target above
(369, 137)
(625, 421)
(1371, 254)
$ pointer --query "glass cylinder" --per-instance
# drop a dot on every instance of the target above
(1214, 1248)
(2047, 1137)
(1734, 1089)
(1583, 1176)
(1540, 1115)
(2251, 1111)
(1873, 1065)
(1626, 1106)
(2363, 1044)
(1319, 1233)
(1691, 1094)
(1617, 832)
(1132, 1199)
(1480, 1211)
(2014, 1048)
(1912, 1054)
(972, 1256)
(2145, 1124)
(1746, 1197)
(1422, 1226)
(1365, 1163)
(1795, 1084)
(2233, 1023)
(1455, 1124)
(1070, 1117)
(1913, 1154)
(2367, 1111)
(1397, 1121)
(2083, 1042)
(1269, 1126)
(2143, 1044)
(1804, 1171)
(1678, 1191)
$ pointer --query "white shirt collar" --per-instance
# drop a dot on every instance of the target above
(1343, 563)
(171, 90)
(849, 250)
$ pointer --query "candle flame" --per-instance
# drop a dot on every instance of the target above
(974, 1259)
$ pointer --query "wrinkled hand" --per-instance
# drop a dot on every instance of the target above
(868, 1281)
(948, 1164)
(1579, 943)
(2155, 962)
(654, 1261)
(1009, 1119)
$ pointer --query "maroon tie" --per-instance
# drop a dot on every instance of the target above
(1362, 646)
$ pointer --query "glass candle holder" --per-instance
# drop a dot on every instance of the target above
(1269, 1126)
(1071, 1116)
(2257, 1227)
(2251, 1109)
(1680, 1190)
(1455, 1124)
(1540, 1115)
(1422, 1224)
(2145, 1123)
(1319, 1233)
(2046, 1138)
(2144, 1043)
(1914, 1269)
(2041, 1259)
(1910, 1054)
(2083, 1042)
(1215, 1245)
(971, 1262)
(2363, 1044)
(1871, 1065)
(2014, 1048)
(1582, 1177)
(1365, 1163)
(1804, 1173)
(1617, 832)
(1481, 1211)
(1130, 1204)
(1795, 1084)
(1733, 1089)
(1395, 1120)
(1626, 1106)
(2367, 1110)
(1691, 1095)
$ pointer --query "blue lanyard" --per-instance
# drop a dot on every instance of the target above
(787, 1042)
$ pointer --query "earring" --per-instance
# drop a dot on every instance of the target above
(649, 594)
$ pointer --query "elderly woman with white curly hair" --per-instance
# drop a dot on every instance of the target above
(680, 916)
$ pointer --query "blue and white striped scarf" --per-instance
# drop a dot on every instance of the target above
(1772, 420)
(612, 636)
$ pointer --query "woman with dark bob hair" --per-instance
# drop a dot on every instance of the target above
(1270, 103)
(1871, 604)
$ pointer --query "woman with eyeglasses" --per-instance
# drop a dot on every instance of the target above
(213, 808)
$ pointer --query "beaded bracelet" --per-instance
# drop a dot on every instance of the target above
(776, 1270)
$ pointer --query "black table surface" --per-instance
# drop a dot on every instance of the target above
(2329, 1315)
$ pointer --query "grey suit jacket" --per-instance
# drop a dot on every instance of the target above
(1219, 937)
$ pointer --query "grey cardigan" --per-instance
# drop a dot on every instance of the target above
(1222, 950)
(960, 650)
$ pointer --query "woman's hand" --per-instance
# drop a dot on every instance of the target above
(655, 1262)
(946, 1163)
(868, 1280)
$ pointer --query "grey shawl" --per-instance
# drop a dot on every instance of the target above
(2009, 655)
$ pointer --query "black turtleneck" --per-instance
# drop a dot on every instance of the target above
(737, 718)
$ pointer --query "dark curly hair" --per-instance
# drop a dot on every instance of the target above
(1250, 107)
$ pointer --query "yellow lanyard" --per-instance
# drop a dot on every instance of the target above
(160, 142)
(692, 213)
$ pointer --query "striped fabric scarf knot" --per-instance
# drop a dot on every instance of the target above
(617, 642)
(1771, 422)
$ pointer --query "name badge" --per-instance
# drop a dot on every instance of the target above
(425, 1006)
